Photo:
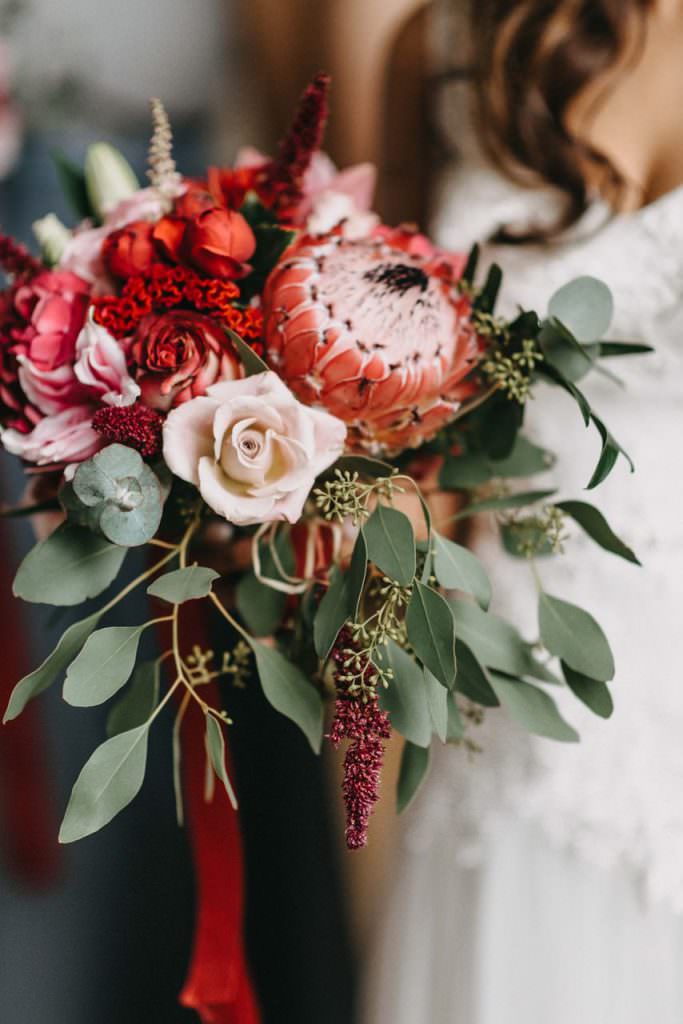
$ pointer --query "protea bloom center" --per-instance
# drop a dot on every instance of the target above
(377, 331)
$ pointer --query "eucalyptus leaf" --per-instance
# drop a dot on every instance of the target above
(457, 568)
(520, 500)
(591, 692)
(215, 744)
(561, 349)
(460, 472)
(109, 781)
(41, 678)
(356, 575)
(472, 680)
(455, 730)
(103, 666)
(138, 702)
(67, 568)
(333, 611)
(289, 692)
(405, 698)
(598, 529)
(261, 606)
(495, 642)
(525, 459)
(585, 306)
(188, 584)
(437, 702)
(364, 465)
(573, 635)
(431, 632)
(532, 708)
(390, 544)
(412, 773)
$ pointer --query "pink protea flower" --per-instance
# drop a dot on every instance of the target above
(376, 330)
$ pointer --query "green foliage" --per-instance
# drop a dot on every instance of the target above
(506, 501)
(341, 600)
(472, 680)
(611, 449)
(37, 681)
(585, 307)
(182, 585)
(437, 702)
(596, 526)
(591, 692)
(67, 568)
(495, 643)
(138, 702)
(251, 362)
(289, 692)
(573, 635)
(391, 544)
(366, 467)
(457, 568)
(413, 772)
(271, 241)
(215, 744)
(532, 708)
(260, 605)
(103, 666)
(116, 494)
(405, 698)
(109, 781)
(455, 730)
(431, 632)
(72, 182)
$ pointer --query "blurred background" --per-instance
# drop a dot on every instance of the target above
(102, 931)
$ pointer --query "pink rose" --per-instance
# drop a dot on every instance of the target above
(251, 448)
(57, 440)
(101, 366)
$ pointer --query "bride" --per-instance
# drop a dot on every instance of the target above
(542, 884)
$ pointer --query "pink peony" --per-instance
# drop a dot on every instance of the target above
(52, 306)
(251, 449)
(101, 366)
(376, 331)
(57, 440)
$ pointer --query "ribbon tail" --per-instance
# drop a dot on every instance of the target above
(217, 987)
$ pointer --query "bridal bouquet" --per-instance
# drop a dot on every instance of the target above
(252, 365)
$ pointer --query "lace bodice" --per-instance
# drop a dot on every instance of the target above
(617, 797)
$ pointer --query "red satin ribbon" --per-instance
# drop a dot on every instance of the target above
(217, 985)
(28, 812)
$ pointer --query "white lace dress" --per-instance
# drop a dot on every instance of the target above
(542, 883)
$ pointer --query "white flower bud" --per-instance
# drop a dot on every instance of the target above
(109, 178)
(52, 236)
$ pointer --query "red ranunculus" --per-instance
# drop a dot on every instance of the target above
(130, 250)
(219, 243)
(178, 355)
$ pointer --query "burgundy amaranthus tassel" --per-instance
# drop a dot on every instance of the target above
(16, 260)
(303, 139)
(362, 722)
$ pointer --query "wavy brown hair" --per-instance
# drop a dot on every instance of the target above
(532, 58)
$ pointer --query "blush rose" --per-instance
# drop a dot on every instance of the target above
(251, 448)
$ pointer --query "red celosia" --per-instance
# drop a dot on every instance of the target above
(363, 723)
(132, 425)
(170, 287)
(16, 260)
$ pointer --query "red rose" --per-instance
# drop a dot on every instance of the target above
(179, 354)
(197, 199)
(219, 242)
(130, 250)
